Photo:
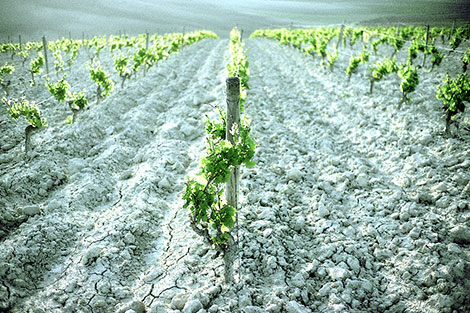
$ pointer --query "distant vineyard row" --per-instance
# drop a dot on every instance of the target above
(130, 54)
(316, 42)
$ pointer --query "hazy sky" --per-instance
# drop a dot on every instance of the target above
(33, 18)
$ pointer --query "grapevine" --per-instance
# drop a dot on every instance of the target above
(355, 61)
(75, 100)
(466, 60)
(102, 80)
(122, 66)
(30, 112)
(453, 93)
(210, 215)
(36, 67)
(332, 57)
(6, 69)
(409, 76)
(382, 69)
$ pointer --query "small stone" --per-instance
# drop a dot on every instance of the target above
(295, 307)
(337, 273)
(362, 180)
(164, 183)
(178, 302)
(134, 306)
(415, 232)
(404, 214)
(353, 263)
(214, 309)
(323, 211)
(252, 309)
(31, 210)
(425, 197)
(298, 223)
(91, 254)
(53, 205)
(294, 174)
(192, 306)
(325, 290)
(267, 232)
(273, 308)
(159, 308)
(460, 234)
(126, 174)
(298, 281)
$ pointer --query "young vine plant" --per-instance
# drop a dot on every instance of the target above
(381, 70)
(36, 67)
(354, 62)
(5, 69)
(210, 215)
(409, 77)
(453, 93)
(102, 80)
(31, 113)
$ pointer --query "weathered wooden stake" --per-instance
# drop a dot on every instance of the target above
(426, 47)
(452, 31)
(340, 37)
(146, 40)
(44, 43)
(19, 40)
(231, 189)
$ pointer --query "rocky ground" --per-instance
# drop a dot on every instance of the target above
(353, 206)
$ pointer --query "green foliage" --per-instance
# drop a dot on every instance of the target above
(22, 107)
(203, 196)
(25, 54)
(332, 57)
(58, 61)
(36, 66)
(375, 44)
(101, 79)
(466, 60)
(61, 91)
(410, 81)
(58, 89)
(415, 47)
(384, 68)
(123, 67)
(437, 56)
(453, 93)
(6, 69)
(210, 215)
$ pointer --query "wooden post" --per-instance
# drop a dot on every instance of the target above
(70, 35)
(398, 31)
(340, 37)
(146, 40)
(426, 46)
(452, 31)
(231, 189)
(44, 43)
(19, 40)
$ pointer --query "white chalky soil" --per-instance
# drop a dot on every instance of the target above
(353, 206)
